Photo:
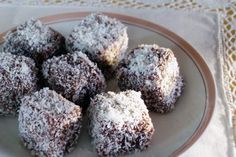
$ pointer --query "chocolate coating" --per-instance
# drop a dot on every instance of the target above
(18, 77)
(35, 40)
(102, 38)
(154, 71)
(74, 76)
(49, 125)
(119, 123)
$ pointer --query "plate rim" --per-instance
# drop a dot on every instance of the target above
(201, 65)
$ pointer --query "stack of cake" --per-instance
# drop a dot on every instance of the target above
(51, 82)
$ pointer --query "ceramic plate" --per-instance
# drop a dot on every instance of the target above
(176, 131)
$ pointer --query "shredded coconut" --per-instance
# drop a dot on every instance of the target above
(35, 33)
(154, 71)
(119, 123)
(49, 124)
(33, 39)
(143, 62)
(119, 108)
(74, 76)
(18, 77)
(102, 38)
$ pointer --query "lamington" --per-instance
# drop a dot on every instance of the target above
(49, 124)
(34, 39)
(119, 123)
(74, 76)
(18, 77)
(154, 71)
(102, 38)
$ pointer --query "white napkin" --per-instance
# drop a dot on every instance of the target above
(201, 30)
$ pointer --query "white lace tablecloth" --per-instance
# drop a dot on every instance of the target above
(225, 9)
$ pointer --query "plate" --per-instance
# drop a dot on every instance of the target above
(176, 131)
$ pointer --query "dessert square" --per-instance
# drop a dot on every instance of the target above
(18, 77)
(119, 123)
(34, 39)
(49, 125)
(102, 38)
(154, 71)
(74, 76)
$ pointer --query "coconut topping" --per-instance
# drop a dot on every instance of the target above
(102, 38)
(119, 123)
(74, 76)
(119, 108)
(17, 78)
(33, 39)
(49, 101)
(154, 71)
(49, 125)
